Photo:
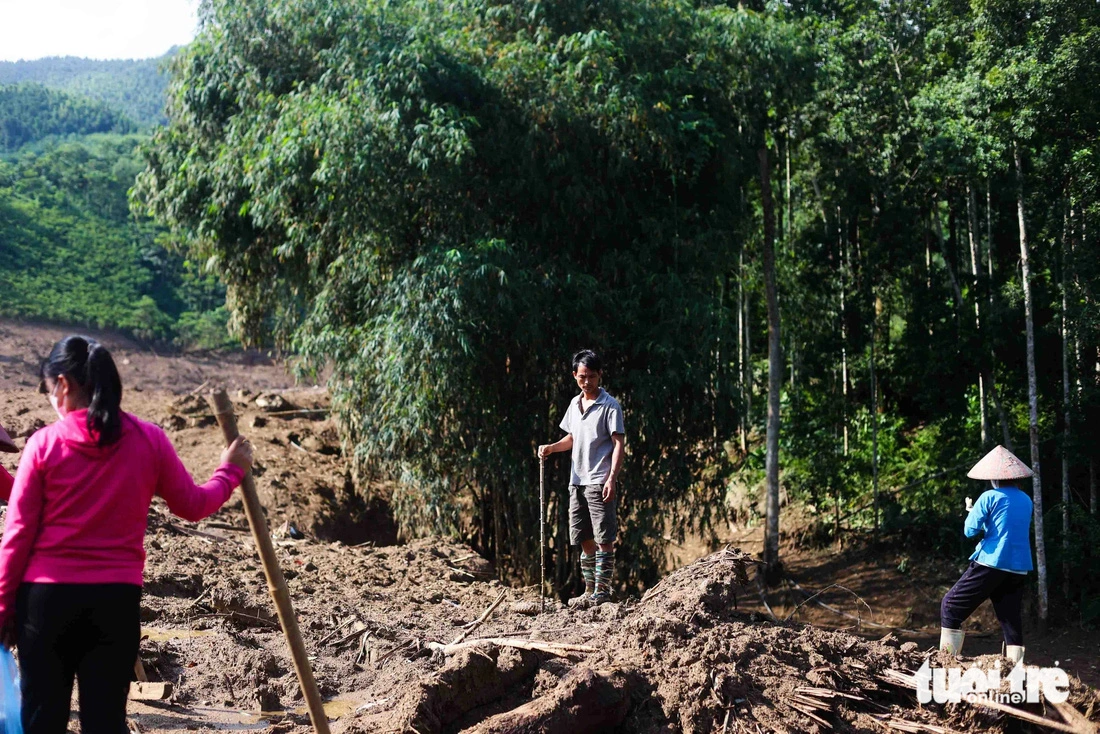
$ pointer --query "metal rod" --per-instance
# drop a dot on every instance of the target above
(276, 584)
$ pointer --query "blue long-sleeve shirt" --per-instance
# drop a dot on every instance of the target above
(1003, 515)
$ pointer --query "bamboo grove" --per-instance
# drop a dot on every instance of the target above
(833, 247)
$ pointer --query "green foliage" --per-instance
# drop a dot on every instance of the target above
(133, 88)
(446, 199)
(30, 112)
(73, 254)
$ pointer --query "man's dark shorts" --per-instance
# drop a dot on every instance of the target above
(590, 518)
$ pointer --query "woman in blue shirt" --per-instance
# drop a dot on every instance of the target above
(999, 565)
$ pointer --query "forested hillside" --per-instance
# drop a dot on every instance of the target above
(72, 253)
(31, 112)
(71, 250)
(134, 88)
(845, 246)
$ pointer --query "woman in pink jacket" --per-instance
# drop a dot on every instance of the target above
(6, 480)
(72, 556)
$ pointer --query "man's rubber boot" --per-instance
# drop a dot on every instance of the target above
(1015, 653)
(584, 601)
(951, 641)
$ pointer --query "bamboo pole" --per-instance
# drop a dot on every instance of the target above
(276, 584)
(542, 535)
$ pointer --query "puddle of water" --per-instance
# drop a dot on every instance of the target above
(157, 634)
(336, 707)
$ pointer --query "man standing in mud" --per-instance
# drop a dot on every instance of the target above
(593, 424)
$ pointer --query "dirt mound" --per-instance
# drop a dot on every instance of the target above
(682, 659)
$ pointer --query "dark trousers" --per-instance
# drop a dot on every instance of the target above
(978, 583)
(91, 631)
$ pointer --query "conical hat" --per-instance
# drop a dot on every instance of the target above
(1000, 463)
(6, 442)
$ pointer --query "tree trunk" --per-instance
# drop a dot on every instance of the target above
(1067, 409)
(1032, 398)
(975, 247)
(741, 359)
(775, 375)
(747, 377)
(844, 270)
(1092, 487)
(874, 416)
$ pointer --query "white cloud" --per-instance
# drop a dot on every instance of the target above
(99, 29)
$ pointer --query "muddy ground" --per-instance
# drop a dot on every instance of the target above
(699, 652)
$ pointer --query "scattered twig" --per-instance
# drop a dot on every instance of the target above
(477, 622)
(196, 533)
(806, 710)
(394, 649)
(553, 648)
(356, 631)
(515, 633)
(831, 586)
(225, 526)
(198, 599)
(764, 599)
(860, 621)
(467, 557)
(339, 627)
(237, 616)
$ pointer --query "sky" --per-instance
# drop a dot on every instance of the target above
(98, 29)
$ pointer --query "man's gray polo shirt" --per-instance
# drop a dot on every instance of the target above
(591, 431)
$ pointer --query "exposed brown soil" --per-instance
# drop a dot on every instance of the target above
(697, 653)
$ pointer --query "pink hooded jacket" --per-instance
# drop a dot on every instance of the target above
(77, 512)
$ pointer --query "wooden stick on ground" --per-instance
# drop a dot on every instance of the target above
(542, 535)
(554, 648)
(276, 584)
(1027, 716)
(477, 622)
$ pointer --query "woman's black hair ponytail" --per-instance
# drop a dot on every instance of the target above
(105, 394)
(87, 363)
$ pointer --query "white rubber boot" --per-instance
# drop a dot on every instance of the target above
(1015, 653)
(951, 641)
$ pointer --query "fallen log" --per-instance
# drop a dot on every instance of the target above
(585, 700)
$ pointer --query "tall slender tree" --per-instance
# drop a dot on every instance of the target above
(1032, 392)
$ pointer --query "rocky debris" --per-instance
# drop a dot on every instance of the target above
(201, 421)
(274, 402)
(174, 423)
(189, 405)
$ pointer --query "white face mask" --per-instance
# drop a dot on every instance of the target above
(56, 407)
